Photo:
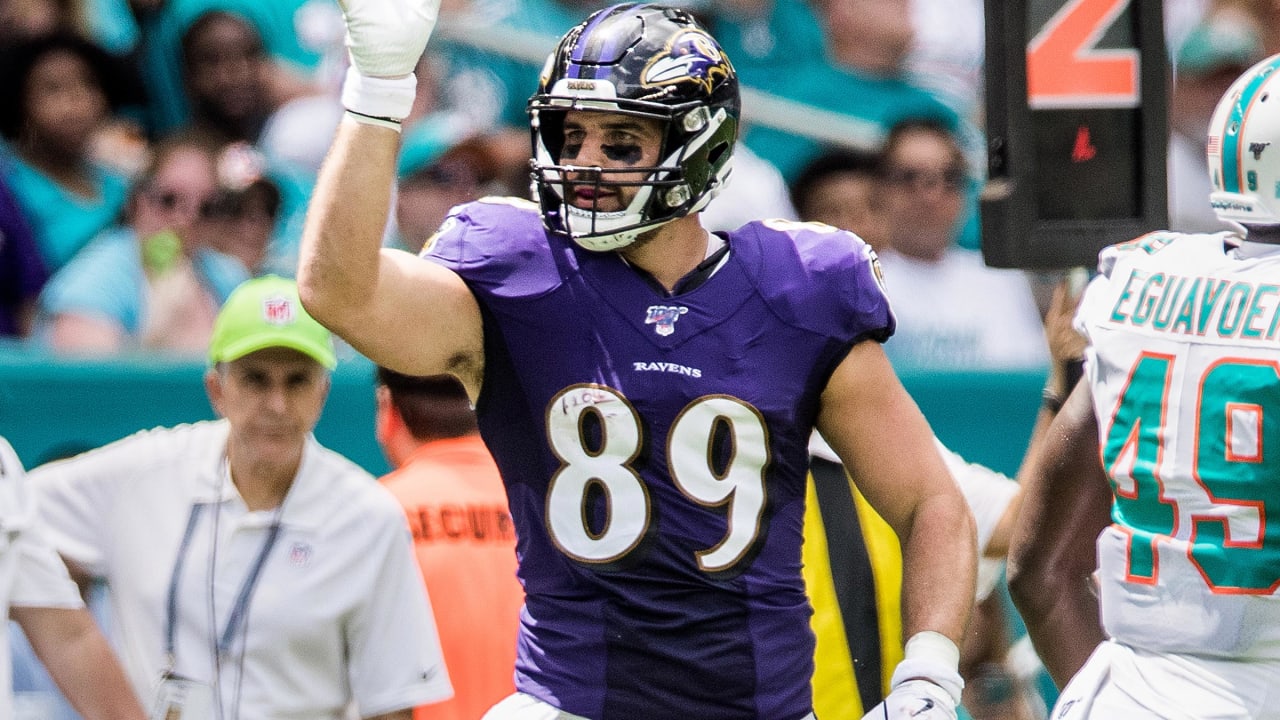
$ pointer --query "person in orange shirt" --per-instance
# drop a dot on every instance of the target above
(462, 532)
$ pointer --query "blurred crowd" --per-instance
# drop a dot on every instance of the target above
(155, 153)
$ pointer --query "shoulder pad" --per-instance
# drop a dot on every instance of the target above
(822, 278)
(498, 245)
(1150, 244)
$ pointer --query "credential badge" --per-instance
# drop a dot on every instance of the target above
(663, 318)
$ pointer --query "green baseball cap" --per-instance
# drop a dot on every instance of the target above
(265, 312)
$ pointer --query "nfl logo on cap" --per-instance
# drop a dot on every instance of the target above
(277, 310)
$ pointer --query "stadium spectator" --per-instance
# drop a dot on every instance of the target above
(1144, 562)
(60, 91)
(842, 188)
(1262, 13)
(1214, 53)
(647, 388)
(224, 68)
(947, 51)
(25, 19)
(227, 73)
(768, 40)
(953, 311)
(151, 283)
(244, 211)
(435, 174)
(297, 37)
(252, 572)
(36, 592)
(860, 76)
(465, 540)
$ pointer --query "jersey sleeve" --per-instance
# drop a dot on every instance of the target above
(76, 497)
(824, 279)
(40, 579)
(498, 246)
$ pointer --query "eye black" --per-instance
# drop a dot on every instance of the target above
(629, 154)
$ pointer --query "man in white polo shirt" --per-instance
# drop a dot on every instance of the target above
(36, 592)
(251, 572)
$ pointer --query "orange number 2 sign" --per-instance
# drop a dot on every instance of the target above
(1066, 70)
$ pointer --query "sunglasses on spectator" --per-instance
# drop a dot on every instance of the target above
(171, 200)
(921, 179)
(256, 205)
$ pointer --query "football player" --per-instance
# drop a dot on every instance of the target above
(1182, 407)
(647, 388)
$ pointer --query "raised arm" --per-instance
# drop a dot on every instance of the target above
(1066, 503)
(881, 436)
(400, 311)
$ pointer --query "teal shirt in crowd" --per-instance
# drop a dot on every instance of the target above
(881, 101)
(502, 82)
(107, 281)
(769, 49)
(63, 222)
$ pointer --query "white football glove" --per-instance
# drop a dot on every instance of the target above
(926, 685)
(385, 39)
(915, 700)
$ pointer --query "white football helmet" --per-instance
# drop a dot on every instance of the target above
(1244, 148)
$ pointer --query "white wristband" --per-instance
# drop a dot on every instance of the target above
(934, 657)
(389, 99)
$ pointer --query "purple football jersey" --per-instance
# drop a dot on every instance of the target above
(654, 450)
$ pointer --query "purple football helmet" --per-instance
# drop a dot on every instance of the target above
(647, 61)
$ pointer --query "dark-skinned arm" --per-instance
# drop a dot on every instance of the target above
(1066, 503)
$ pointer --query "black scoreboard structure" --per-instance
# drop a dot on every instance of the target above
(1076, 101)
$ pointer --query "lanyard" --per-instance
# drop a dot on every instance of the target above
(239, 610)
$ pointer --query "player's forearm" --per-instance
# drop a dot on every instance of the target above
(338, 263)
(1066, 503)
(77, 656)
(1064, 628)
(939, 570)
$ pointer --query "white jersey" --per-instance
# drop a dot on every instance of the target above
(1184, 363)
(31, 573)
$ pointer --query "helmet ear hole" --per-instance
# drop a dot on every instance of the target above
(717, 153)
